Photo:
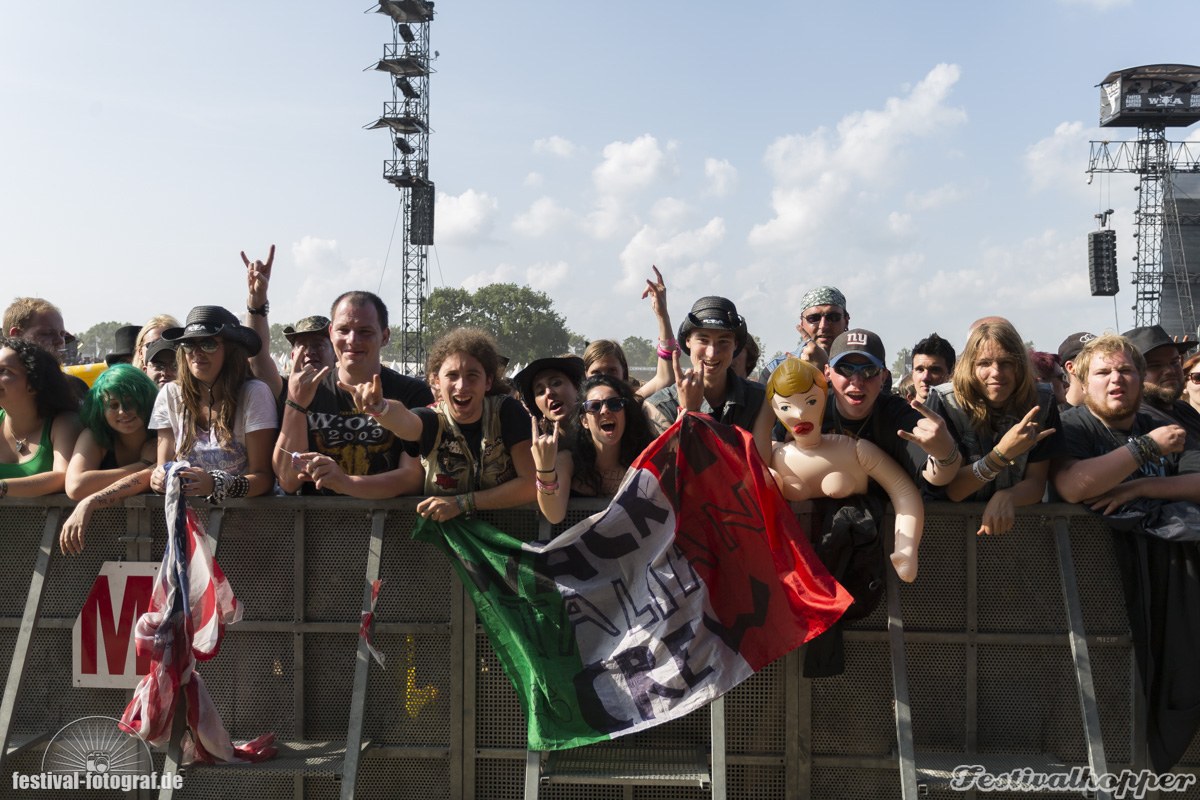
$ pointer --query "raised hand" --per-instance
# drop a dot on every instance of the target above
(303, 383)
(930, 433)
(258, 277)
(1020, 438)
(368, 396)
(1169, 438)
(690, 384)
(656, 290)
(544, 443)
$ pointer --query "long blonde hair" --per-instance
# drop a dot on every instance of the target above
(966, 386)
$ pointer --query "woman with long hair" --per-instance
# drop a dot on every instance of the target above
(115, 454)
(38, 423)
(612, 433)
(1191, 381)
(215, 416)
(1004, 423)
(473, 441)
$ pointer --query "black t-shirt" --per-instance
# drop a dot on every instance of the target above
(1085, 436)
(359, 444)
(1178, 413)
(891, 413)
(514, 427)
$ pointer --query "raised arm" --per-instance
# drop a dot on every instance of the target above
(293, 427)
(656, 290)
(931, 435)
(1016, 441)
(258, 278)
(554, 471)
(391, 414)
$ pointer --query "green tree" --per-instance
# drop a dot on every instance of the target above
(97, 341)
(900, 365)
(522, 320)
(640, 352)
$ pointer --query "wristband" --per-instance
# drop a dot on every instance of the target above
(260, 311)
(226, 485)
(547, 471)
(290, 403)
(547, 488)
(665, 354)
(948, 460)
(379, 410)
(1005, 460)
(982, 472)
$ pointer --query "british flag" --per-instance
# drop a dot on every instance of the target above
(191, 604)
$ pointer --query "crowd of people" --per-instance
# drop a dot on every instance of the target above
(1110, 421)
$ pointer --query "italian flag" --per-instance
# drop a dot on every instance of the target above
(696, 576)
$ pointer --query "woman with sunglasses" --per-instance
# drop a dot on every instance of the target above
(215, 416)
(115, 454)
(38, 424)
(1005, 424)
(612, 434)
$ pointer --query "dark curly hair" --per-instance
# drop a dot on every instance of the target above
(45, 377)
(476, 343)
(636, 438)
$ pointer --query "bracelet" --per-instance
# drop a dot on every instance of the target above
(983, 473)
(668, 344)
(1005, 460)
(948, 460)
(665, 354)
(290, 403)
(1144, 449)
(3, 489)
(261, 311)
(547, 488)
(547, 471)
(379, 410)
(226, 485)
(470, 503)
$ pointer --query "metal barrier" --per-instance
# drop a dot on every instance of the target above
(989, 671)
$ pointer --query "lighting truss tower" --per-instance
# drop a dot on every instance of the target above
(1153, 98)
(406, 60)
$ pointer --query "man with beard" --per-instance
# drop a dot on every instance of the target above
(1136, 470)
(1164, 379)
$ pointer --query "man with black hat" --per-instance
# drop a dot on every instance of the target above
(124, 338)
(161, 365)
(1067, 352)
(711, 334)
(328, 445)
(1164, 379)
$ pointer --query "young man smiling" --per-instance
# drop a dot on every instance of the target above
(325, 444)
(711, 335)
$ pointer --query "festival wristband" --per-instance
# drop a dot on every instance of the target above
(290, 403)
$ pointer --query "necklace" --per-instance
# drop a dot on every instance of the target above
(21, 446)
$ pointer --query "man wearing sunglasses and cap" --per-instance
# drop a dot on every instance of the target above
(711, 335)
(915, 437)
(1163, 383)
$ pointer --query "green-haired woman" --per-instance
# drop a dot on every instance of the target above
(115, 454)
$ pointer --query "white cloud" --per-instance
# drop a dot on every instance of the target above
(817, 173)
(555, 146)
(899, 223)
(543, 217)
(533, 180)
(630, 166)
(608, 218)
(543, 276)
(669, 212)
(1056, 161)
(466, 218)
(682, 250)
(321, 274)
(938, 197)
(721, 176)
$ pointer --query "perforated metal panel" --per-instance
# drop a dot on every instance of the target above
(937, 599)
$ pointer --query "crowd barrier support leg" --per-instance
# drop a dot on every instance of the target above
(362, 664)
(905, 751)
(33, 605)
(1079, 652)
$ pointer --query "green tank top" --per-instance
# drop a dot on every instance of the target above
(42, 462)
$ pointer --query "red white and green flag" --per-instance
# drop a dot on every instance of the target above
(696, 576)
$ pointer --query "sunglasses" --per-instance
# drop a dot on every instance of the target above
(203, 345)
(1194, 377)
(868, 371)
(830, 316)
(612, 404)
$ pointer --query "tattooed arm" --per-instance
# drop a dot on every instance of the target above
(70, 540)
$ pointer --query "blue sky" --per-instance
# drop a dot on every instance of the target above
(926, 158)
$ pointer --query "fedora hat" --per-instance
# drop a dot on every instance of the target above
(205, 322)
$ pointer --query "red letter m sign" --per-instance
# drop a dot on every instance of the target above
(102, 652)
